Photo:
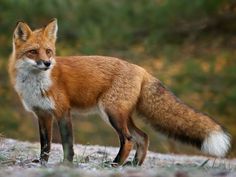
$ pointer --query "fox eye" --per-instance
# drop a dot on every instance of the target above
(48, 51)
(33, 52)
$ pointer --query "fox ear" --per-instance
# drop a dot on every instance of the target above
(22, 31)
(51, 30)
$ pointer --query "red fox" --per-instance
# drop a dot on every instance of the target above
(51, 87)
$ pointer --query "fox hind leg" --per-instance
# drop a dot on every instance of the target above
(119, 123)
(141, 140)
(118, 103)
(125, 138)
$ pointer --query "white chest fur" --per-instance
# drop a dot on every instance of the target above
(32, 88)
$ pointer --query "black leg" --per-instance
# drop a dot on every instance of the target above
(65, 127)
(45, 133)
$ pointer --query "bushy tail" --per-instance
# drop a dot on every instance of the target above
(166, 113)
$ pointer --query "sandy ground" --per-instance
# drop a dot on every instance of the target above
(16, 160)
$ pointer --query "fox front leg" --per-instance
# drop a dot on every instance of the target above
(45, 132)
(65, 128)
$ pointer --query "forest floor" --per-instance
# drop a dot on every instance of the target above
(16, 161)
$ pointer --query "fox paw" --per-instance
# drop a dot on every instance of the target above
(130, 163)
(35, 161)
(40, 161)
(67, 163)
(111, 164)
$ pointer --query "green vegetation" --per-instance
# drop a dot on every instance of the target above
(189, 45)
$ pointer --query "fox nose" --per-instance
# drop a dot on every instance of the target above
(47, 63)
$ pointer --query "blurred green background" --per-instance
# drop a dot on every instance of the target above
(189, 45)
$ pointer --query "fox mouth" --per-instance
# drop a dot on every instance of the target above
(42, 68)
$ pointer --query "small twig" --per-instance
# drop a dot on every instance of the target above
(104, 155)
(83, 154)
(213, 165)
(204, 163)
(8, 162)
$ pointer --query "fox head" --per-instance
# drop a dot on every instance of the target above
(35, 50)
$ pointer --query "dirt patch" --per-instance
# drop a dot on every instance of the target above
(16, 160)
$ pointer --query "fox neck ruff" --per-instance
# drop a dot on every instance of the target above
(33, 87)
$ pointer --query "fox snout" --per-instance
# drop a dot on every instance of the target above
(46, 63)
(43, 64)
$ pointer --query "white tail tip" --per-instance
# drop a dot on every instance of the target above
(217, 144)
